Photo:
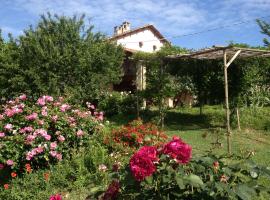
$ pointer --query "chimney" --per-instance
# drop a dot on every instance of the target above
(125, 27)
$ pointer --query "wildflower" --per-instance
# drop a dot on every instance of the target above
(2, 117)
(178, 150)
(13, 174)
(216, 166)
(10, 162)
(46, 176)
(80, 133)
(102, 168)
(6, 186)
(112, 191)
(223, 179)
(8, 127)
(28, 168)
(56, 197)
(2, 134)
(116, 166)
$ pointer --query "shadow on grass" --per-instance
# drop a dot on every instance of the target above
(174, 120)
(187, 121)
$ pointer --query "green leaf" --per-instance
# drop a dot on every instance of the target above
(180, 182)
(194, 180)
(245, 192)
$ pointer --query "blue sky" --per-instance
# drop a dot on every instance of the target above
(171, 17)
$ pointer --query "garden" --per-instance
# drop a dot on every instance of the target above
(66, 135)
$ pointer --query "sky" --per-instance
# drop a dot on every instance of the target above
(177, 20)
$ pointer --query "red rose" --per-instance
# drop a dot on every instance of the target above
(148, 151)
(112, 191)
(141, 163)
(178, 150)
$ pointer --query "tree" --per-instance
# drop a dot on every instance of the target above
(265, 29)
(60, 56)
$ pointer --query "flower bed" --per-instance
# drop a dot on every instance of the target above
(35, 135)
(137, 134)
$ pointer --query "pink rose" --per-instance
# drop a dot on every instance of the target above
(49, 98)
(23, 97)
(61, 138)
(8, 127)
(10, 162)
(80, 133)
(2, 134)
(40, 122)
(54, 118)
(178, 150)
(59, 156)
(53, 145)
(64, 107)
(44, 111)
(31, 117)
(47, 137)
(53, 153)
(41, 101)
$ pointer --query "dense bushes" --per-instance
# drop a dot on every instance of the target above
(134, 135)
(168, 173)
(115, 103)
(37, 135)
(61, 55)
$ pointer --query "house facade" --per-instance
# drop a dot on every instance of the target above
(145, 39)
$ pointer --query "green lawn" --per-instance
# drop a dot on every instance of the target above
(201, 131)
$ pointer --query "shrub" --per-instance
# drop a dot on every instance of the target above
(35, 135)
(114, 103)
(137, 134)
(168, 173)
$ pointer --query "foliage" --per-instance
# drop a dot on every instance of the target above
(114, 103)
(160, 84)
(61, 55)
(204, 177)
(136, 134)
(265, 29)
(36, 135)
(86, 170)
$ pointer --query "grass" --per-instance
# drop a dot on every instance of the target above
(201, 132)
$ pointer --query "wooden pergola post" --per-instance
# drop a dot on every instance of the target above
(219, 52)
(227, 108)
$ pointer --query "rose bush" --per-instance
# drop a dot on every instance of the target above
(35, 135)
(137, 134)
(169, 172)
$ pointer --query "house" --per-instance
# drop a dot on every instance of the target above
(146, 39)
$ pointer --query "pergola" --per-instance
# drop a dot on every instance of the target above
(228, 54)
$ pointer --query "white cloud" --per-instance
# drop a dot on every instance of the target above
(172, 17)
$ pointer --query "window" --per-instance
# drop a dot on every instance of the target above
(140, 44)
(154, 47)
